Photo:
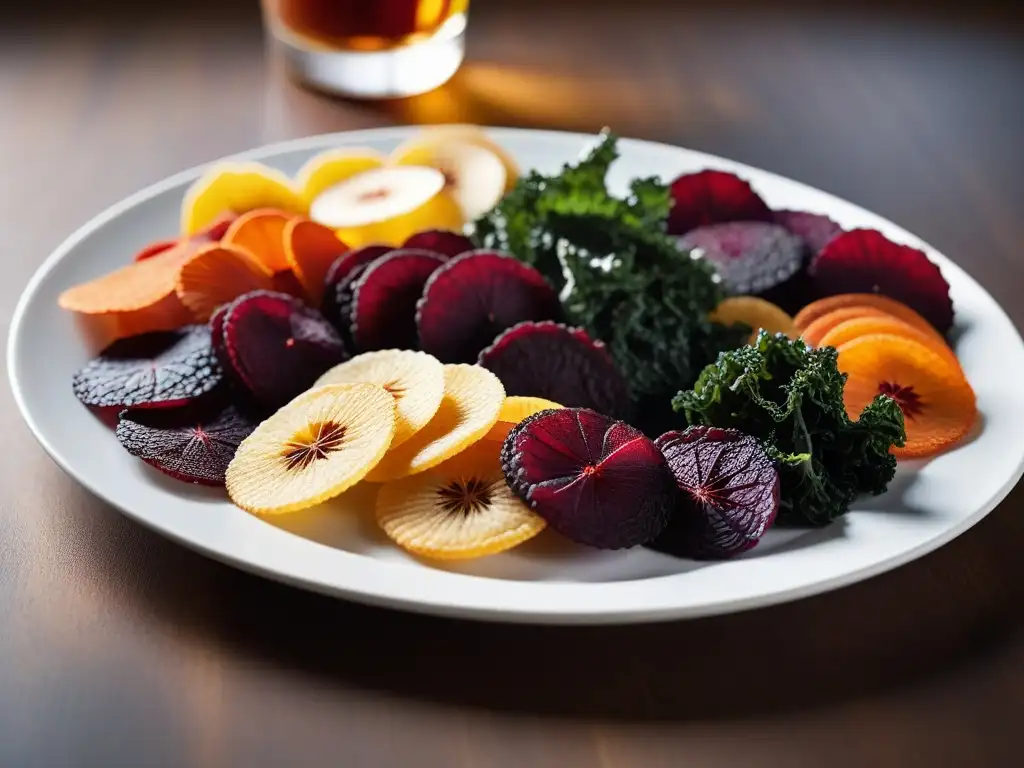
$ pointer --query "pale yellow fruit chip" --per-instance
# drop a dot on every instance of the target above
(470, 134)
(515, 409)
(755, 312)
(333, 166)
(474, 176)
(459, 510)
(387, 205)
(320, 444)
(470, 406)
(237, 188)
(414, 379)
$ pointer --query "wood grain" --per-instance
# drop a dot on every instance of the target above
(120, 648)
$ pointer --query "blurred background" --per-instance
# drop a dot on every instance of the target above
(876, 101)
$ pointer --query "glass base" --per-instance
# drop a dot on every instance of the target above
(396, 73)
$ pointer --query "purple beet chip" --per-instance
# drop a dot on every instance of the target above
(278, 346)
(216, 324)
(560, 364)
(161, 369)
(474, 297)
(595, 480)
(192, 444)
(384, 299)
(346, 269)
(730, 492)
(815, 229)
(443, 242)
(750, 256)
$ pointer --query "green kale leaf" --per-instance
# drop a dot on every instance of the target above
(790, 397)
(620, 275)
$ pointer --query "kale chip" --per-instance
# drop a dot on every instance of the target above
(790, 397)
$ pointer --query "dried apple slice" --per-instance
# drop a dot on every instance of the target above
(333, 166)
(474, 176)
(387, 206)
(466, 134)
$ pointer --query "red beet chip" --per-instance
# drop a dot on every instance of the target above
(443, 242)
(278, 347)
(476, 296)
(815, 229)
(865, 261)
(713, 197)
(560, 364)
(216, 324)
(152, 370)
(595, 480)
(750, 256)
(211, 234)
(286, 282)
(216, 231)
(730, 492)
(346, 269)
(384, 299)
(191, 444)
(151, 250)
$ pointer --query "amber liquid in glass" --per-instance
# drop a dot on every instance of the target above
(364, 25)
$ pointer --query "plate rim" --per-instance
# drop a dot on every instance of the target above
(441, 606)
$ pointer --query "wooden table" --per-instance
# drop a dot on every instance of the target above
(119, 648)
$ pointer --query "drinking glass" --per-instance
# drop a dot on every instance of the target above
(369, 48)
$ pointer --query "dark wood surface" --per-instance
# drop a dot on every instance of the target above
(119, 648)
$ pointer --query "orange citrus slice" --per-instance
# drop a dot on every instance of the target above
(819, 327)
(938, 404)
(883, 324)
(897, 309)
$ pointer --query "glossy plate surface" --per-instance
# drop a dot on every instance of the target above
(336, 548)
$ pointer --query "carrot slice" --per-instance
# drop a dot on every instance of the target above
(814, 332)
(134, 286)
(755, 312)
(215, 275)
(938, 404)
(98, 331)
(261, 233)
(817, 309)
(311, 248)
(885, 324)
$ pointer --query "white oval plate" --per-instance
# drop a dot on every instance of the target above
(336, 548)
